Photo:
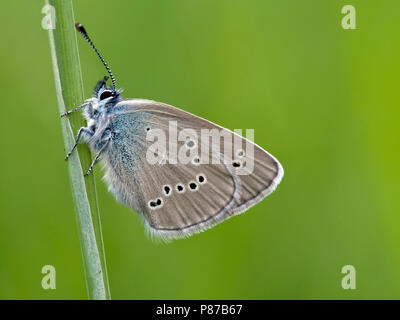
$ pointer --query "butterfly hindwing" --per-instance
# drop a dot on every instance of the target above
(180, 199)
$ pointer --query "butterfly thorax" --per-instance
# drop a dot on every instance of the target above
(99, 115)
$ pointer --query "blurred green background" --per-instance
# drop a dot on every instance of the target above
(323, 100)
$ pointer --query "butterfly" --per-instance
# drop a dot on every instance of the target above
(182, 173)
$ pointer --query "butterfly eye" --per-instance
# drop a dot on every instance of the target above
(106, 94)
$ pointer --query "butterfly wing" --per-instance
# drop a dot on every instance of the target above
(197, 190)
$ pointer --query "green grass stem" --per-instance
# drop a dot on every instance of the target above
(68, 81)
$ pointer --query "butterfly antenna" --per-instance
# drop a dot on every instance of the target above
(84, 34)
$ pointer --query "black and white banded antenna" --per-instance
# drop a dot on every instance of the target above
(84, 34)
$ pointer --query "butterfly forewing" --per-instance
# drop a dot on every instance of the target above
(184, 197)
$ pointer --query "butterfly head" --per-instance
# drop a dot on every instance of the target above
(106, 94)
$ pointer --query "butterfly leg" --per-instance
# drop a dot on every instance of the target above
(82, 130)
(96, 159)
(87, 103)
(76, 109)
